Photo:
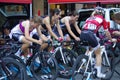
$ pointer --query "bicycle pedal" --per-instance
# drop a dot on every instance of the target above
(48, 77)
(65, 74)
(95, 73)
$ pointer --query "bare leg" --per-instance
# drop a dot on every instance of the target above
(98, 57)
(98, 63)
(25, 46)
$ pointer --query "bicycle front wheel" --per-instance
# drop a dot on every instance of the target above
(79, 67)
(15, 69)
(44, 66)
(65, 62)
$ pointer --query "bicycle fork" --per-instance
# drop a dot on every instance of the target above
(6, 70)
(89, 61)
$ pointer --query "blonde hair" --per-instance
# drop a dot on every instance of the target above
(95, 13)
(36, 19)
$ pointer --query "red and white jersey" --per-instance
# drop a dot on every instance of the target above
(93, 23)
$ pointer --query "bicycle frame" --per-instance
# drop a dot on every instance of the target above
(59, 48)
(89, 54)
(7, 72)
(103, 51)
(88, 62)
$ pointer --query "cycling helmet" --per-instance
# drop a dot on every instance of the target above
(99, 10)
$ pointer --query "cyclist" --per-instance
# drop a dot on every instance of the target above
(116, 18)
(21, 33)
(89, 30)
(69, 26)
(50, 22)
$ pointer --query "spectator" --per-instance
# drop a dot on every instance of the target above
(6, 32)
(116, 18)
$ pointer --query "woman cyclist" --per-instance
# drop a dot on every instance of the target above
(21, 32)
(90, 28)
(69, 26)
(50, 22)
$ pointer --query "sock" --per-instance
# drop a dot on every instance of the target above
(99, 74)
(98, 69)
(18, 52)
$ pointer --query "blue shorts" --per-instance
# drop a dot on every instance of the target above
(90, 37)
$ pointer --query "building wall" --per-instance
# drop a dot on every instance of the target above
(78, 6)
(42, 6)
(38, 5)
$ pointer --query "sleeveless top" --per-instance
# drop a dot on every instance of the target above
(45, 30)
(43, 25)
(22, 28)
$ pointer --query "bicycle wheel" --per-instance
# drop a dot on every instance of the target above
(65, 65)
(16, 69)
(44, 66)
(79, 67)
(107, 67)
(17, 58)
(115, 69)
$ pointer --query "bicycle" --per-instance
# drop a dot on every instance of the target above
(84, 64)
(40, 65)
(39, 62)
(65, 57)
(115, 49)
(10, 68)
(43, 65)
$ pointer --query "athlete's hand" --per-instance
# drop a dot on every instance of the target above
(60, 39)
(40, 41)
(117, 33)
(113, 40)
(77, 39)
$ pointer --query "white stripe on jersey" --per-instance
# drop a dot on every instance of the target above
(99, 19)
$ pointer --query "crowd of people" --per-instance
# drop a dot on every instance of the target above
(47, 28)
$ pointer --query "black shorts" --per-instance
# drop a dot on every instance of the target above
(17, 37)
(90, 37)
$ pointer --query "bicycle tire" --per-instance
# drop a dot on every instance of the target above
(65, 68)
(17, 69)
(46, 67)
(114, 68)
(76, 66)
(17, 58)
(108, 69)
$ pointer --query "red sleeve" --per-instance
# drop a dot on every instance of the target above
(105, 24)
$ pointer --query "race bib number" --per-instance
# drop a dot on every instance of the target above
(92, 26)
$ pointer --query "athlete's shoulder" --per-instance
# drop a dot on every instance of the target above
(99, 16)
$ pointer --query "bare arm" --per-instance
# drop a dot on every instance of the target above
(69, 29)
(42, 36)
(117, 33)
(77, 28)
(59, 29)
(47, 23)
(108, 35)
(27, 35)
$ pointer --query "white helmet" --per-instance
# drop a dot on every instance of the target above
(99, 10)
